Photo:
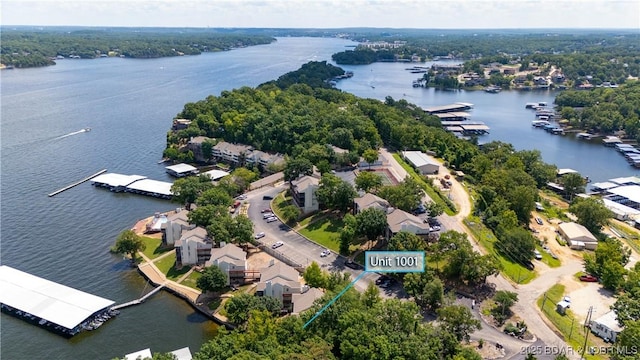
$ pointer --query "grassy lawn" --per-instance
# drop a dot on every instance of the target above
(514, 271)
(191, 280)
(154, 247)
(547, 258)
(279, 202)
(166, 263)
(572, 330)
(428, 189)
(214, 304)
(629, 235)
(325, 231)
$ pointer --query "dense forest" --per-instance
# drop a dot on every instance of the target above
(603, 110)
(30, 48)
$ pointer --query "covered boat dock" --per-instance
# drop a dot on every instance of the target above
(136, 184)
(448, 108)
(54, 306)
(453, 116)
(181, 170)
(115, 182)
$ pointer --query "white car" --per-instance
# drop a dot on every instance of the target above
(277, 244)
(272, 219)
(325, 253)
(242, 197)
(259, 235)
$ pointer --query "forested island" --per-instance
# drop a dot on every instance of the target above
(28, 47)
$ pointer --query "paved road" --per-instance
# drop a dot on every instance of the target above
(298, 248)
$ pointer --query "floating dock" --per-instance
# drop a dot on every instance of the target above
(77, 183)
(55, 307)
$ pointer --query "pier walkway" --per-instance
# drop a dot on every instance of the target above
(138, 301)
(77, 183)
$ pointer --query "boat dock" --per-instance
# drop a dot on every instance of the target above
(136, 184)
(77, 183)
(448, 108)
(140, 300)
(52, 306)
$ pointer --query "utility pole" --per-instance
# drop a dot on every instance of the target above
(587, 321)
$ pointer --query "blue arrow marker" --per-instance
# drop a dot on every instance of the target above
(334, 299)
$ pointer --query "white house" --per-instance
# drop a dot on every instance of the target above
(304, 193)
(399, 220)
(575, 235)
(174, 226)
(606, 326)
(231, 260)
(193, 247)
(423, 163)
(279, 281)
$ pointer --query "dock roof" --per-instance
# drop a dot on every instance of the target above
(115, 180)
(181, 168)
(56, 303)
(448, 108)
(152, 186)
(216, 174)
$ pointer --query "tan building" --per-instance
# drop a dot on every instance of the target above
(279, 281)
(577, 236)
(399, 220)
(367, 201)
(193, 247)
(175, 225)
(304, 193)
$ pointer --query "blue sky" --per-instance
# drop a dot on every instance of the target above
(428, 14)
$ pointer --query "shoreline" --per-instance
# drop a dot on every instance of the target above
(192, 296)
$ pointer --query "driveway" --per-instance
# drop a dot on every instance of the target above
(298, 248)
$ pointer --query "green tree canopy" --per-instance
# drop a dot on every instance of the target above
(368, 181)
(371, 223)
(314, 276)
(128, 242)
(591, 213)
(212, 279)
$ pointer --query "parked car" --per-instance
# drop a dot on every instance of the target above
(272, 219)
(267, 197)
(537, 255)
(434, 228)
(277, 244)
(381, 279)
(539, 221)
(352, 265)
(266, 210)
(588, 278)
(259, 235)
(325, 253)
(432, 221)
(242, 197)
(267, 215)
(420, 210)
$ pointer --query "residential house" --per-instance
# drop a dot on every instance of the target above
(195, 145)
(367, 201)
(231, 153)
(304, 193)
(193, 247)
(399, 220)
(174, 226)
(509, 71)
(180, 124)
(279, 281)
(232, 260)
(577, 236)
(304, 301)
(263, 159)
(606, 326)
(540, 81)
(520, 80)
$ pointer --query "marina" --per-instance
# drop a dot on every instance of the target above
(460, 106)
(52, 306)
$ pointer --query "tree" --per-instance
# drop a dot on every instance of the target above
(591, 213)
(335, 193)
(611, 256)
(404, 196)
(216, 196)
(212, 279)
(186, 190)
(296, 167)
(405, 241)
(314, 276)
(458, 320)
(432, 296)
(368, 181)
(129, 243)
(573, 184)
(290, 213)
(504, 300)
(627, 340)
(434, 209)
(243, 177)
(370, 156)
(371, 295)
(371, 223)
(203, 216)
(517, 244)
(242, 230)
(240, 306)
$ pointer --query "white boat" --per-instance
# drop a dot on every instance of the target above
(87, 129)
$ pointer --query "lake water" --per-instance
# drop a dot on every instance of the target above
(129, 105)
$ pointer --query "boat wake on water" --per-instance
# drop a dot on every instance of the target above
(74, 133)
